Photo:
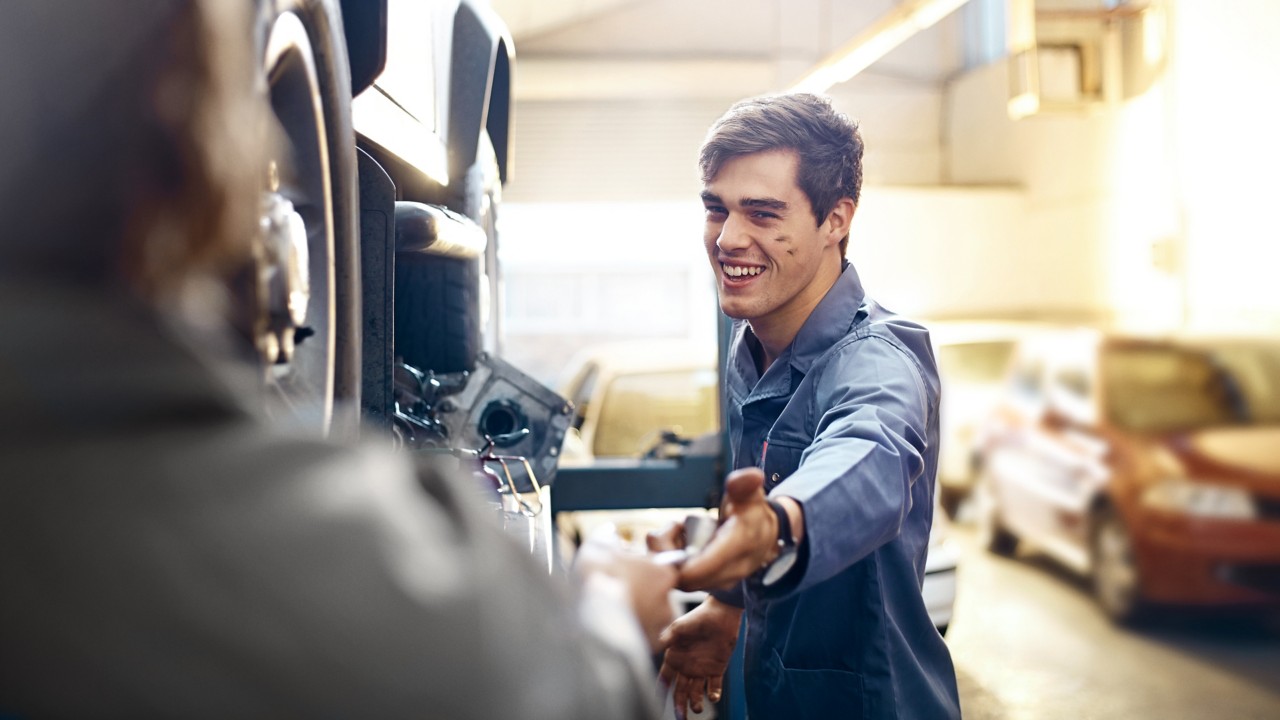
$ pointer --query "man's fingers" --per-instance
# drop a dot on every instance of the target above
(715, 686)
(724, 561)
(683, 694)
(743, 483)
(669, 538)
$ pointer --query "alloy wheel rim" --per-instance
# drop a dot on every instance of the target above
(295, 330)
(1117, 578)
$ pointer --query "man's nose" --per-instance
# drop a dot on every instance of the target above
(734, 234)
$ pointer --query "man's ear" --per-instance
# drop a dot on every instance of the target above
(840, 219)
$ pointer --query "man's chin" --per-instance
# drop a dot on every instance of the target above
(734, 311)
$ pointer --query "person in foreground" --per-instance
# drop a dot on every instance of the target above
(164, 550)
(833, 422)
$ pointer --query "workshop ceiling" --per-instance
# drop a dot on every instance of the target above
(642, 49)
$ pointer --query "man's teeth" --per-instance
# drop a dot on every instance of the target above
(739, 271)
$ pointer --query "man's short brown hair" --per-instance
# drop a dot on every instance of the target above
(827, 142)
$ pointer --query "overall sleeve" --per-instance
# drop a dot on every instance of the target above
(854, 480)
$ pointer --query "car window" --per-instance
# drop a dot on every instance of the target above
(636, 408)
(1166, 389)
(1252, 372)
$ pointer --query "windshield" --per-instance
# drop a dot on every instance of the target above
(1167, 389)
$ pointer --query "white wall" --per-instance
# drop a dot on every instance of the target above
(1226, 126)
(1159, 205)
(959, 252)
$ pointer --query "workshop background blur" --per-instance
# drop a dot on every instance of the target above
(1030, 165)
(1132, 187)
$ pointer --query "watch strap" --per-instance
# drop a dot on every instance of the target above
(785, 537)
(787, 552)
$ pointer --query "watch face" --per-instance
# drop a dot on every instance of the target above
(779, 568)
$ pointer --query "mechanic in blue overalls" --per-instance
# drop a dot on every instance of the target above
(833, 421)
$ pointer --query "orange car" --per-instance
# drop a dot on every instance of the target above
(1150, 465)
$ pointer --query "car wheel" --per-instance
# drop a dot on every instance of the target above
(992, 533)
(1116, 583)
(437, 312)
(307, 326)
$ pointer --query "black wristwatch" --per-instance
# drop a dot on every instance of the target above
(786, 559)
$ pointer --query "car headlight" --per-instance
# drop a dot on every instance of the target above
(1200, 500)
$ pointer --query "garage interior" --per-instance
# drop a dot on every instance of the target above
(1094, 162)
(1110, 201)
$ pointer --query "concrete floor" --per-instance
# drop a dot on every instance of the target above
(1028, 642)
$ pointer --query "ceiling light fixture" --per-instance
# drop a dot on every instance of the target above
(885, 34)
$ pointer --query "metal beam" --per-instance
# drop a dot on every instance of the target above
(687, 482)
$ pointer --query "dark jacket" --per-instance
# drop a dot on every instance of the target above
(164, 552)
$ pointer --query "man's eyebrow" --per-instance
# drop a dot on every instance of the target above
(770, 203)
(748, 202)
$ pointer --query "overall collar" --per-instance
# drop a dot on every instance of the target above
(831, 320)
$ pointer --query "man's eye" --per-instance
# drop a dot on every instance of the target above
(762, 215)
(716, 211)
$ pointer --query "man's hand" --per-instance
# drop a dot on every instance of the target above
(648, 583)
(671, 537)
(698, 647)
(746, 540)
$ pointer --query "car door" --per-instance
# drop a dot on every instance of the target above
(1018, 461)
(1074, 453)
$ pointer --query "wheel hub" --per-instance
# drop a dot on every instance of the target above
(285, 275)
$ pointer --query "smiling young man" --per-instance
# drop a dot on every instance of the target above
(833, 421)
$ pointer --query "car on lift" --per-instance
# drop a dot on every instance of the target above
(389, 125)
(1151, 465)
(377, 268)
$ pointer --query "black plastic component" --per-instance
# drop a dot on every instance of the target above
(364, 23)
(497, 394)
(472, 72)
(498, 119)
(377, 276)
(503, 420)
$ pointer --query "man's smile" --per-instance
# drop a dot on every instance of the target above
(740, 274)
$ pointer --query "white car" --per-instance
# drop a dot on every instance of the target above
(627, 395)
(940, 572)
(973, 356)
